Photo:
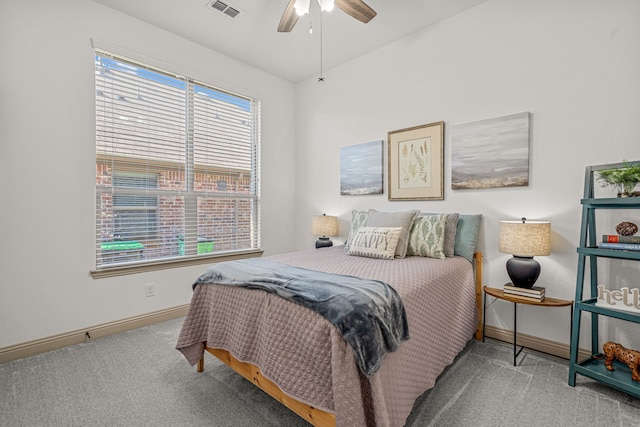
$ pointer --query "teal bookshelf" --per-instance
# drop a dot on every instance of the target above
(588, 257)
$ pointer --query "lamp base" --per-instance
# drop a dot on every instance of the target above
(523, 271)
(323, 242)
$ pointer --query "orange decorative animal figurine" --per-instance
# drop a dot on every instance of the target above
(614, 351)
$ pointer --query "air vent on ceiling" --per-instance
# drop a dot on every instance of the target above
(223, 7)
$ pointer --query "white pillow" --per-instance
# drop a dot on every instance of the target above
(394, 219)
(375, 242)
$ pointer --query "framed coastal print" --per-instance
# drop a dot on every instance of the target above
(416, 163)
(491, 153)
(361, 169)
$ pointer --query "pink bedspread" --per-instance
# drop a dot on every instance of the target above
(305, 355)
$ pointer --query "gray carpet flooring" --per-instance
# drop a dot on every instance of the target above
(137, 378)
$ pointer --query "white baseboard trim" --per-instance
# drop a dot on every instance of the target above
(42, 345)
(535, 343)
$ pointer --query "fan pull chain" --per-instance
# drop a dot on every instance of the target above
(321, 78)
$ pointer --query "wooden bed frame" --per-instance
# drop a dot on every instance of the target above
(314, 416)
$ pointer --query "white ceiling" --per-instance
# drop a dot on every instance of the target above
(251, 37)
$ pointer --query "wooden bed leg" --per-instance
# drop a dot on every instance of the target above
(477, 256)
(200, 366)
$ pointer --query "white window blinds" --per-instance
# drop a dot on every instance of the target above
(177, 166)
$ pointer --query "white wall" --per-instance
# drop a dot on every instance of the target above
(573, 64)
(47, 157)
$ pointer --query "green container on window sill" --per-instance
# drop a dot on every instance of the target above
(125, 245)
(205, 246)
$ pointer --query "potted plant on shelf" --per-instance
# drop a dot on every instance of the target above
(623, 179)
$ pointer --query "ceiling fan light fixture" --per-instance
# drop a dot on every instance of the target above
(357, 9)
(301, 7)
(326, 5)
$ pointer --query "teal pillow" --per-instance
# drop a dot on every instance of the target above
(467, 235)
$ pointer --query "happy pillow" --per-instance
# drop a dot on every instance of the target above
(375, 242)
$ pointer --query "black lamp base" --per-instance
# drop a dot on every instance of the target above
(523, 271)
(323, 242)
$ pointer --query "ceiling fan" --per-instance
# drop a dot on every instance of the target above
(355, 8)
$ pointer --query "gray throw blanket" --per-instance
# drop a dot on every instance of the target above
(368, 313)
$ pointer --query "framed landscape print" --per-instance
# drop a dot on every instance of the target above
(416, 163)
(491, 153)
(361, 168)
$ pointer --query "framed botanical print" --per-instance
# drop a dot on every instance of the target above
(416, 163)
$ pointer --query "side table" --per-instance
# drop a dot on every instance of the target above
(500, 294)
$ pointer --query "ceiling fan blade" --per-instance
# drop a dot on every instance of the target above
(357, 9)
(289, 18)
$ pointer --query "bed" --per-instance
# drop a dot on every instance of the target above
(298, 357)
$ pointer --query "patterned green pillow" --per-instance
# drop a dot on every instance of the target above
(358, 219)
(450, 231)
(426, 237)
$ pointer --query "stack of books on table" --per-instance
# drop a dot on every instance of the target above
(623, 243)
(535, 293)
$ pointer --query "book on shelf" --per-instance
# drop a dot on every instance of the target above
(535, 293)
(617, 238)
(526, 296)
(534, 290)
(620, 246)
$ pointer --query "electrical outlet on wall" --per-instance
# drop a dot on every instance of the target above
(150, 289)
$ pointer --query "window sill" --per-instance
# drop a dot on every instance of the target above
(122, 270)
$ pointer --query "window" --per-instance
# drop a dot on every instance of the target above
(134, 215)
(177, 166)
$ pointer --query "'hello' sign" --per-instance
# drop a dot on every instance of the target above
(623, 299)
